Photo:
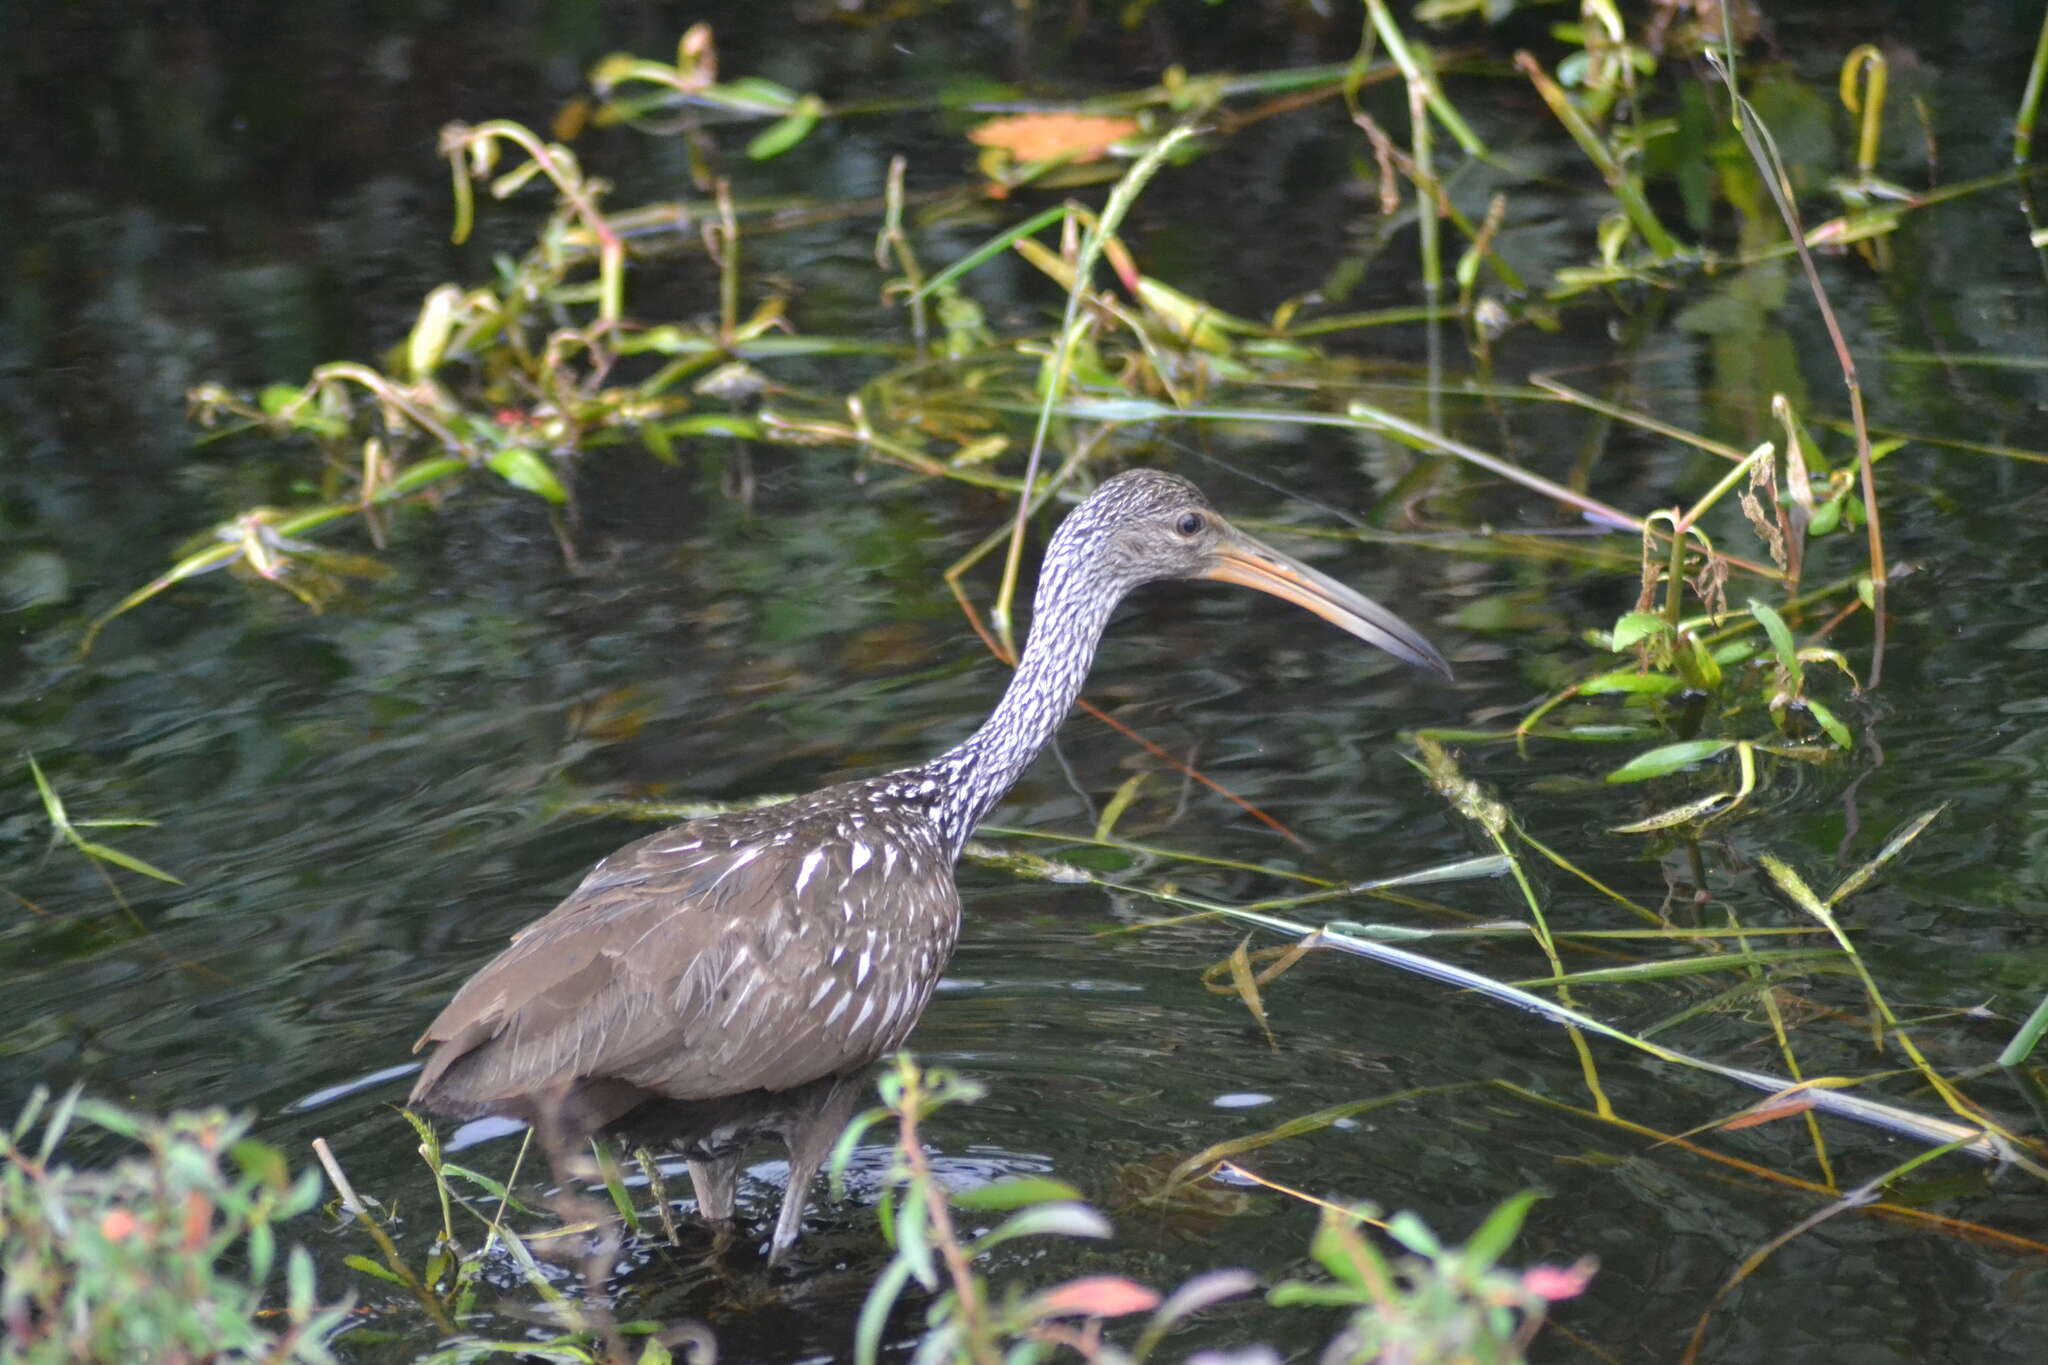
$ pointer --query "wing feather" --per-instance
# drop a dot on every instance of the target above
(691, 967)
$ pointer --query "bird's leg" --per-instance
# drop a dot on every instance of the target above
(810, 1138)
(716, 1180)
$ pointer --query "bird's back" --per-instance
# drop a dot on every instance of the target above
(747, 953)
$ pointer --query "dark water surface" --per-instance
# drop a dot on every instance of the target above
(364, 803)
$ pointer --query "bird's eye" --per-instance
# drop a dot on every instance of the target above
(1191, 523)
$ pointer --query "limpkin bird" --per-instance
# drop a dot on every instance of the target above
(735, 976)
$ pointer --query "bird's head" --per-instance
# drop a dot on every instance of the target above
(1144, 526)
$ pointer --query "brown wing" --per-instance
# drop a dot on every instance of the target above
(693, 964)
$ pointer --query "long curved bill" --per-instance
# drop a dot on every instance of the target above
(1243, 560)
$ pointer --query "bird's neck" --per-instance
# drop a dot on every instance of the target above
(1067, 621)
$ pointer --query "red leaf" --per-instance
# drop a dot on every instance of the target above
(1555, 1282)
(1096, 1296)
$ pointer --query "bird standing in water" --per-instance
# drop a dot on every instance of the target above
(735, 976)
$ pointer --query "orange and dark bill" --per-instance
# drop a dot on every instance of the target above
(1243, 560)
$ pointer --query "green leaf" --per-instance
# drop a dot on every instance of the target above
(718, 424)
(429, 339)
(1827, 516)
(1340, 1249)
(874, 1314)
(129, 861)
(1781, 644)
(372, 1269)
(2028, 1038)
(523, 469)
(1411, 1232)
(53, 805)
(277, 397)
(1637, 625)
(1677, 815)
(1695, 665)
(913, 1236)
(787, 131)
(1301, 1294)
(298, 1276)
(752, 90)
(842, 1150)
(1906, 834)
(1669, 758)
(1630, 681)
(1491, 1241)
(1015, 1193)
(1064, 1219)
(1837, 731)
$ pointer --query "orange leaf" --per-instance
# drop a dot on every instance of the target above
(1096, 1296)
(1042, 137)
(1769, 1112)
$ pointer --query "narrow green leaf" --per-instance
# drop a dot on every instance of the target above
(1302, 1294)
(1781, 644)
(1411, 1232)
(1209, 1288)
(874, 1314)
(615, 1187)
(1695, 665)
(913, 1236)
(1908, 832)
(717, 424)
(1679, 967)
(523, 469)
(989, 250)
(1837, 731)
(1015, 1193)
(420, 475)
(372, 1269)
(1493, 1237)
(753, 91)
(262, 1251)
(53, 805)
(842, 1150)
(2029, 1036)
(429, 339)
(1677, 815)
(1630, 681)
(1669, 758)
(1339, 1248)
(298, 1276)
(1118, 803)
(786, 132)
(1063, 1219)
(129, 861)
